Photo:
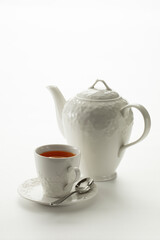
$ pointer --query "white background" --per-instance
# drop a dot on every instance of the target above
(71, 44)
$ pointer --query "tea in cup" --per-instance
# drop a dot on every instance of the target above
(57, 166)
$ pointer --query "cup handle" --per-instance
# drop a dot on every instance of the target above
(77, 176)
(147, 124)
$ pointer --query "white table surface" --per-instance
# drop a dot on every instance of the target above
(71, 44)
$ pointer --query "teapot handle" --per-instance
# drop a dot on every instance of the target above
(147, 124)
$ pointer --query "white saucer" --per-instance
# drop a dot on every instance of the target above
(31, 189)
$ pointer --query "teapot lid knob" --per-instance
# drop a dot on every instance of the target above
(98, 80)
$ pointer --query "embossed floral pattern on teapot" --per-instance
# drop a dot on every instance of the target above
(99, 122)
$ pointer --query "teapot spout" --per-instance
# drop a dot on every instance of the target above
(59, 101)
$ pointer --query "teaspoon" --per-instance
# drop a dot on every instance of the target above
(83, 186)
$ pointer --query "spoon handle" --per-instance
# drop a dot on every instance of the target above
(62, 199)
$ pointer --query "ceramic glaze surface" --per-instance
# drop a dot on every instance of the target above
(57, 175)
(101, 130)
(99, 122)
(32, 190)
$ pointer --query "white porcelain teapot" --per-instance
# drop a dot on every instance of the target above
(99, 122)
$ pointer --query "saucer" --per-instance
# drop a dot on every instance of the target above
(32, 190)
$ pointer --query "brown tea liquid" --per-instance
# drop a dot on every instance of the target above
(57, 154)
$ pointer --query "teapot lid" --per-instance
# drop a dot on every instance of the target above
(93, 94)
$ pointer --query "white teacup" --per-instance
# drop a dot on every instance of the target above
(57, 174)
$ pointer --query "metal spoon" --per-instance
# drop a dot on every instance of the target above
(86, 183)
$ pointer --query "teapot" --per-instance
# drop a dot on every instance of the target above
(99, 122)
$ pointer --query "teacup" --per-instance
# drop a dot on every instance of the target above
(58, 168)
